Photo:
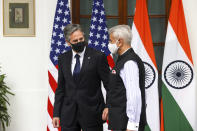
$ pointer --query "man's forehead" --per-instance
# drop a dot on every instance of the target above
(77, 34)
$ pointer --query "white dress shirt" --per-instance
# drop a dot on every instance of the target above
(81, 54)
(130, 76)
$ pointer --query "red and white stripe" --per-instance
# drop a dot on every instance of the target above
(52, 85)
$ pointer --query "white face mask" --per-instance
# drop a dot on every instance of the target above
(113, 48)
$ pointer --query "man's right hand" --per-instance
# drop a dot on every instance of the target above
(56, 122)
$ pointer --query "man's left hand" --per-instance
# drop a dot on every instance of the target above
(105, 114)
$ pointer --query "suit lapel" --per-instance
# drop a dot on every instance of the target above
(86, 60)
(68, 63)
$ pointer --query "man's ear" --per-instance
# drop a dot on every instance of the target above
(120, 42)
(68, 43)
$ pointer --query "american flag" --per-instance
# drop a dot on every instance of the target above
(99, 37)
(58, 46)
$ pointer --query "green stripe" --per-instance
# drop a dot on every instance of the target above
(174, 119)
(147, 128)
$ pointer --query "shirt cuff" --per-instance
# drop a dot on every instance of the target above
(132, 126)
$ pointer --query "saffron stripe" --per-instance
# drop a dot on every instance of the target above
(177, 20)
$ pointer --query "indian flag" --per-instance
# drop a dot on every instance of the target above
(179, 91)
(143, 46)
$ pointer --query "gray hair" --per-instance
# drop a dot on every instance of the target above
(122, 31)
(69, 29)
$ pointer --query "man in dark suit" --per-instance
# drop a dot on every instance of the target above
(79, 102)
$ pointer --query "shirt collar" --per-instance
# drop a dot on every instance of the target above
(125, 51)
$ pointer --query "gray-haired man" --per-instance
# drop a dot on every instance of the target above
(79, 101)
(126, 96)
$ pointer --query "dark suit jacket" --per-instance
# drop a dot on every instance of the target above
(82, 100)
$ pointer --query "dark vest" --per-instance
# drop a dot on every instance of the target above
(117, 94)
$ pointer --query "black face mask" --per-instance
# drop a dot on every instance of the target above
(78, 47)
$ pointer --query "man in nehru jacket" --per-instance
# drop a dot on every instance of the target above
(126, 97)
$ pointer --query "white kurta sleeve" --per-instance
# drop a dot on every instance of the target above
(130, 77)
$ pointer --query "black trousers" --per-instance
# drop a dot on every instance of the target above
(79, 129)
(76, 126)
